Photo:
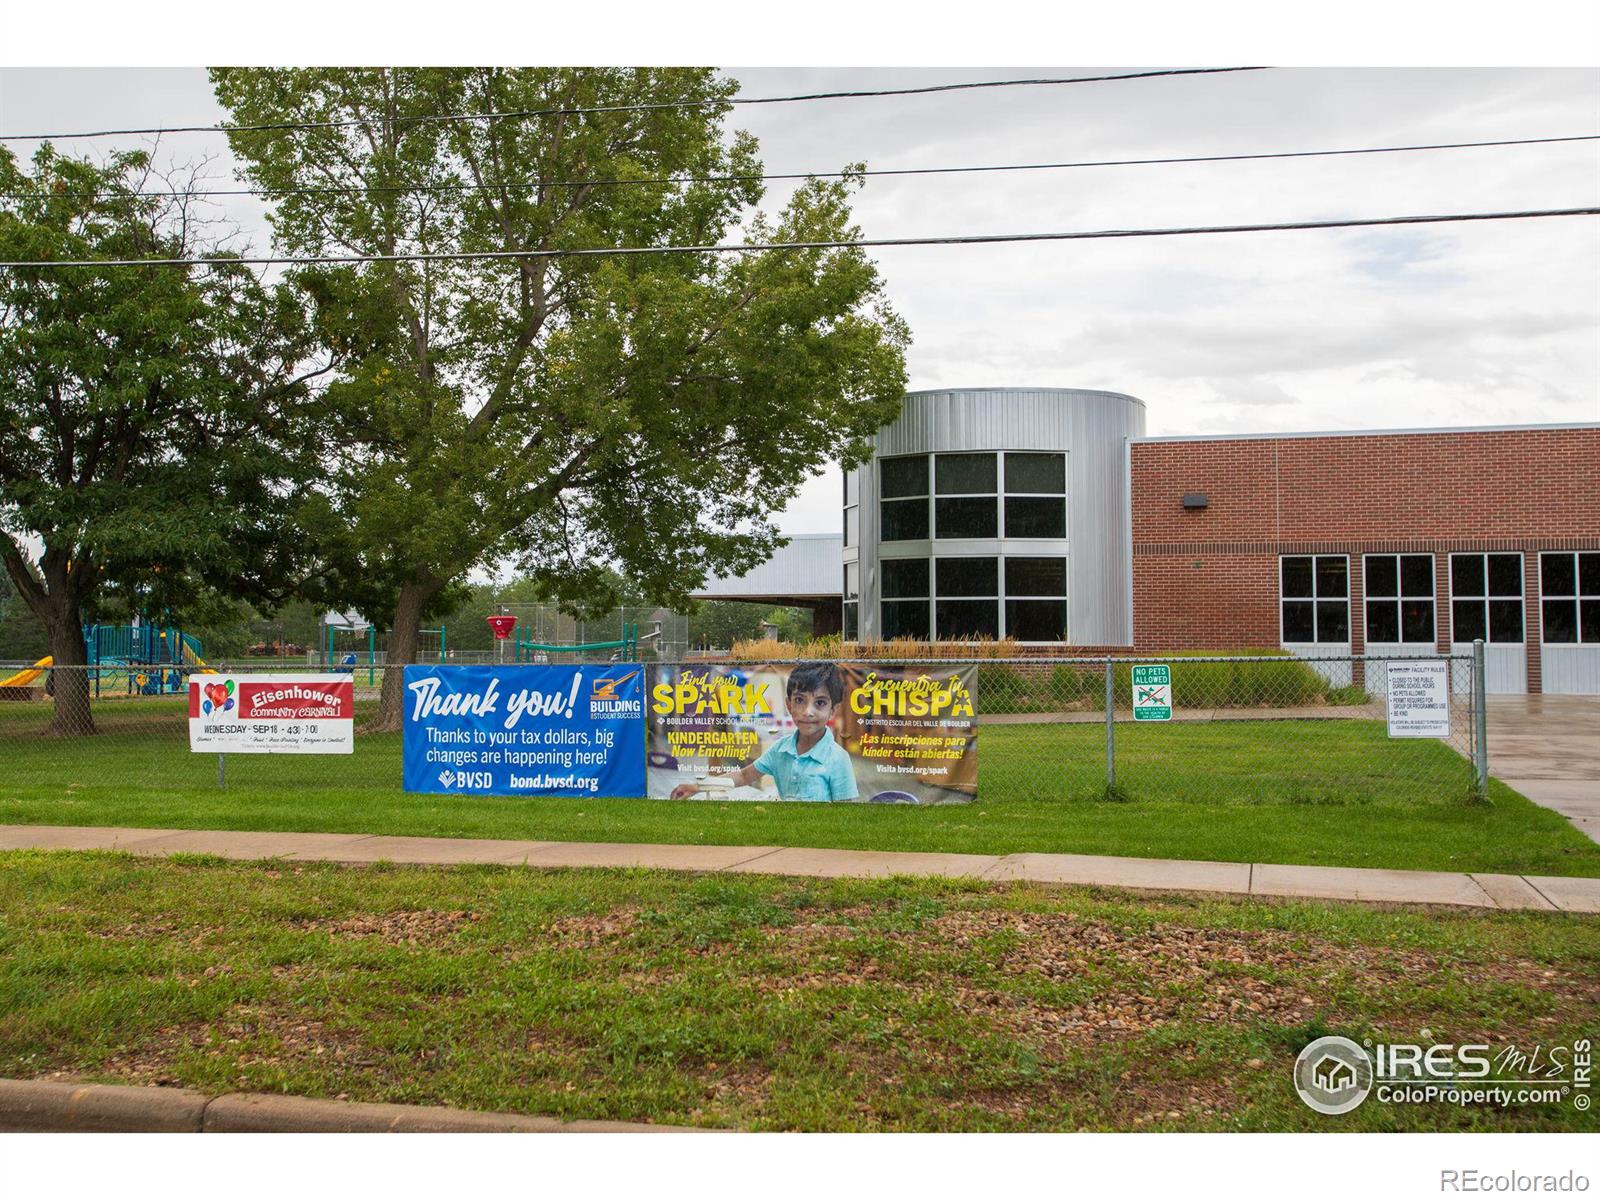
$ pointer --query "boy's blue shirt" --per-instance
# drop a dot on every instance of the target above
(821, 773)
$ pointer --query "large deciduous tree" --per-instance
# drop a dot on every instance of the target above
(141, 442)
(642, 414)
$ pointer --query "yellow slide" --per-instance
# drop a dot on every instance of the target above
(24, 678)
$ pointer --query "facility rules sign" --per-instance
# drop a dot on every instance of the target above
(271, 714)
(1419, 699)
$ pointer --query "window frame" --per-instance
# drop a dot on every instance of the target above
(1576, 597)
(1006, 495)
(926, 496)
(1314, 600)
(1489, 595)
(925, 599)
(936, 496)
(1399, 598)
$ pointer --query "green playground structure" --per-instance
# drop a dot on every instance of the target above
(627, 646)
(140, 659)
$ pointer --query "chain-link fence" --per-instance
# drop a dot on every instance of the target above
(1239, 730)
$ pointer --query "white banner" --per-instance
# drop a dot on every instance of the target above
(271, 714)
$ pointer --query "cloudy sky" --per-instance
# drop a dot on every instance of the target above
(1470, 324)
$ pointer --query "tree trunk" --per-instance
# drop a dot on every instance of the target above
(403, 639)
(69, 680)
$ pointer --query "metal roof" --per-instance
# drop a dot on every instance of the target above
(808, 568)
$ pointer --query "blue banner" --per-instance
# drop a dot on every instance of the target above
(525, 730)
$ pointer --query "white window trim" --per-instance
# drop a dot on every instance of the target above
(1400, 597)
(1313, 599)
(1521, 597)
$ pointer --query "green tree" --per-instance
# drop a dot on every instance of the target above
(599, 417)
(139, 463)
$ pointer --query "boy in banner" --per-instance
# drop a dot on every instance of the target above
(807, 764)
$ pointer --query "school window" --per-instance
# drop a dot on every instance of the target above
(1570, 585)
(852, 601)
(1399, 590)
(903, 498)
(852, 507)
(965, 502)
(967, 597)
(1486, 597)
(903, 610)
(1036, 495)
(1314, 598)
(1036, 599)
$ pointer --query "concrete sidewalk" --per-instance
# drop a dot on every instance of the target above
(44, 1106)
(1533, 892)
(1548, 748)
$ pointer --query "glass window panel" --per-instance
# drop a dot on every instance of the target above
(1467, 621)
(958, 474)
(1296, 578)
(1036, 472)
(967, 618)
(967, 576)
(1466, 575)
(904, 520)
(904, 577)
(1505, 575)
(852, 622)
(852, 488)
(1333, 577)
(1557, 575)
(850, 517)
(852, 581)
(969, 517)
(1299, 621)
(1505, 620)
(1416, 575)
(1383, 579)
(1589, 574)
(1036, 517)
(1383, 621)
(1333, 621)
(1589, 624)
(907, 476)
(1560, 620)
(1416, 621)
(1036, 577)
(1036, 620)
(904, 618)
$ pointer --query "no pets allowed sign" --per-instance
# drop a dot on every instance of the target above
(1152, 693)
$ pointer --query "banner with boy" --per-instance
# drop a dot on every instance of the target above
(879, 733)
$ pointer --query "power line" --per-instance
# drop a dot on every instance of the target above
(612, 108)
(792, 175)
(861, 243)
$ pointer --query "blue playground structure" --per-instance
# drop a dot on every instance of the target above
(140, 659)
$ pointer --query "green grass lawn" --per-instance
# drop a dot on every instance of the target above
(1328, 792)
(756, 1002)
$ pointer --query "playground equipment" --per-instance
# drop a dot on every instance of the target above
(627, 647)
(26, 677)
(141, 659)
(348, 640)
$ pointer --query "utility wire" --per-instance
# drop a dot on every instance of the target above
(611, 108)
(886, 171)
(962, 240)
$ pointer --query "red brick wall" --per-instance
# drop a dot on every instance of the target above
(1207, 579)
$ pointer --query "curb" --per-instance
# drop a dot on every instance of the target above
(40, 1106)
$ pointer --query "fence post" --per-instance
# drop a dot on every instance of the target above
(1480, 724)
(1111, 730)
